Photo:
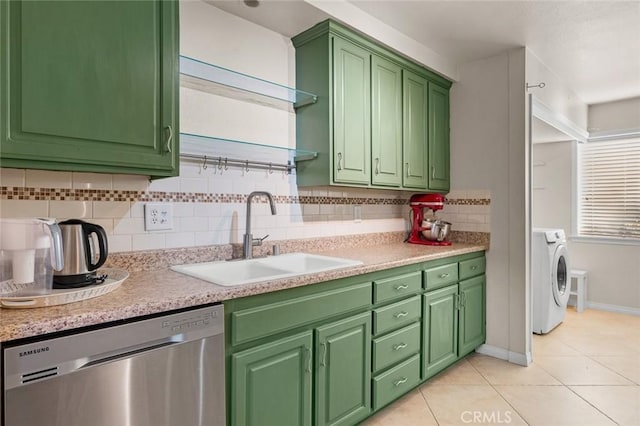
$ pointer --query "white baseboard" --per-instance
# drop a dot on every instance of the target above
(613, 308)
(501, 353)
(493, 351)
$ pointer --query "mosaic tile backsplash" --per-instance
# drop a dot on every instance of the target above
(209, 208)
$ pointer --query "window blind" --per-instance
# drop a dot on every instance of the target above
(609, 185)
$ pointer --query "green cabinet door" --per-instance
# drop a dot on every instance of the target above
(343, 380)
(386, 122)
(414, 130)
(438, 138)
(440, 328)
(370, 125)
(271, 383)
(90, 86)
(472, 314)
(351, 113)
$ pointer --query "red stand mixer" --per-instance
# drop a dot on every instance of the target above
(424, 230)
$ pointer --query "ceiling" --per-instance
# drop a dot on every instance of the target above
(592, 46)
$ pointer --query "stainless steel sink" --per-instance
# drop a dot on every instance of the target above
(265, 269)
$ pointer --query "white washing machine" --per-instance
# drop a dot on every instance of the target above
(550, 285)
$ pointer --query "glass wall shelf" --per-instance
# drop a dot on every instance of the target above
(226, 77)
(223, 153)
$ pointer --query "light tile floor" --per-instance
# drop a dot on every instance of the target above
(585, 372)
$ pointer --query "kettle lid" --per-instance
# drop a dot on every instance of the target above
(72, 222)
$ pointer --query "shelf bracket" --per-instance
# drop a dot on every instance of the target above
(306, 157)
(307, 101)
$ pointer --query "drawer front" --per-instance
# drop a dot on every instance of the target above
(472, 267)
(396, 287)
(396, 346)
(396, 382)
(396, 315)
(250, 324)
(441, 276)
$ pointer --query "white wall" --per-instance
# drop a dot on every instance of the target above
(556, 94)
(488, 150)
(614, 275)
(552, 185)
(619, 115)
(211, 35)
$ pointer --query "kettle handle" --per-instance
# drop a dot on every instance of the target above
(88, 229)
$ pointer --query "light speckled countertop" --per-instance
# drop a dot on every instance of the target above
(149, 292)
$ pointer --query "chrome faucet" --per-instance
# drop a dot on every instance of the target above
(249, 241)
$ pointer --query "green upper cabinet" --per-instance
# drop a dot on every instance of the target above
(370, 125)
(343, 385)
(415, 130)
(438, 138)
(386, 119)
(90, 86)
(351, 112)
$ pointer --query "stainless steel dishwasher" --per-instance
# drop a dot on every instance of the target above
(163, 371)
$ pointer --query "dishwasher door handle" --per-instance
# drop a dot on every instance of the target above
(129, 352)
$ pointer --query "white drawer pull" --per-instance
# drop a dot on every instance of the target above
(401, 314)
(445, 275)
(399, 346)
(401, 287)
(399, 382)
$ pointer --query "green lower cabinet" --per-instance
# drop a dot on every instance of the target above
(472, 314)
(351, 347)
(396, 315)
(440, 330)
(394, 347)
(343, 371)
(396, 382)
(271, 383)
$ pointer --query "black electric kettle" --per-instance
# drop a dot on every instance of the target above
(79, 254)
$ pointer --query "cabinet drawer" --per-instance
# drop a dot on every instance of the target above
(262, 321)
(472, 267)
(395, 287)
(441, 275)
(396, 315)
(396, 346)
(396, 382)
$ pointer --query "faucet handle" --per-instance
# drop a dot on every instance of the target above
(258, 241)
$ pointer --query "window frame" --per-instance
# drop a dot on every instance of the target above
(576, 193)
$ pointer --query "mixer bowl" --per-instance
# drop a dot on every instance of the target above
(435, 229)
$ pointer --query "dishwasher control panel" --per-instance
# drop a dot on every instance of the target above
(201, 319)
